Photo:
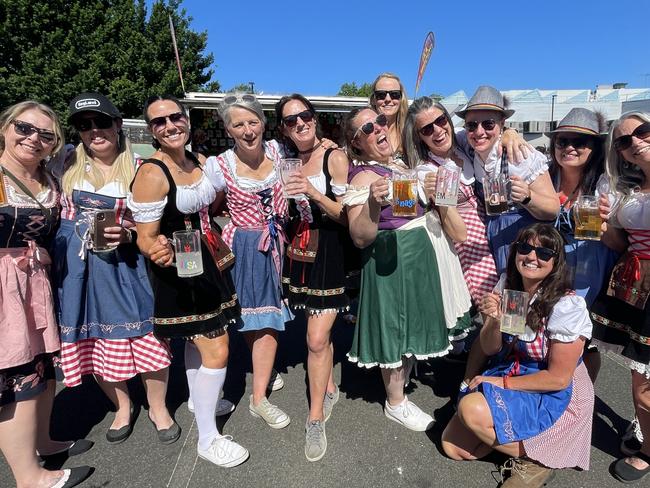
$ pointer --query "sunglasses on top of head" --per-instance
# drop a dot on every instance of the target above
(100, 121)
(230, 99)
(394, 94)
(174, 118)
(624, 142)
(292, 120)
(427, 130)
(25, 129)
(369, 127)
(487, 124)
(579, 142)
(542, 253)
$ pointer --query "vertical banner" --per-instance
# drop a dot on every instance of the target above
(424, 59)
(178, 59)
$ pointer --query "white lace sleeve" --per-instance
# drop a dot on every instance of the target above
(339, 190)
(529, 169)
(144, 212)
(214, 174)
(569, 320)
(354, 196)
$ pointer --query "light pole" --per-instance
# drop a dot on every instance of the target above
(553, 97)
(252, 86)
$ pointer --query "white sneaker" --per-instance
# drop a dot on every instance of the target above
(224, 452)
(276, 382)
(224, 407)
(409, 415)
(271, 414)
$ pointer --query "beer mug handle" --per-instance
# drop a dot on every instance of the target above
(576, 213)
(85, 237)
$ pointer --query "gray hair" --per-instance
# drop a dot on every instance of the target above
(415, 150)
(246, 101)
(623, 176)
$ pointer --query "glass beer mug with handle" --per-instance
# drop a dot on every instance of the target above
(405, 193)
(587, 218)
(187, 248)
(287, 167)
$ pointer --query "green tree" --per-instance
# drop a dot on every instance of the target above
(352, 90)
(54, 49)
(242, 88)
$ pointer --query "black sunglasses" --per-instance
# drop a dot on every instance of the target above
(543, 253)
(174, 118)
(26, 129)
(624, 142)
(101, 121)
(369, 127)
(487, 124)
(292, 120)
(577, 142)
(394, 94)
(427, 130)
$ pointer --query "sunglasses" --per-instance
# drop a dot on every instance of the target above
(100, 121)
(174, 118)
(576, 142)
(369, 127)
(26, 129)
(394, 94)
(230, 99)
(624, 142)
(427, 130)
(487, 124)
(292, 120)
(543, 253)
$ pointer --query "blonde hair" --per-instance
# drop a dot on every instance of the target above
(403, 102)
(12, 113)
(82, 168)
(624, 177)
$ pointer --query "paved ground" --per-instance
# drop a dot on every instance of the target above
(365, 448)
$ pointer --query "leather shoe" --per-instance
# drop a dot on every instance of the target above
(169, 435)
(74, 476)
(78, 447)
(116, 436)
(629, 474)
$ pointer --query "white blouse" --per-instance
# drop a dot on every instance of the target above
(189, 199)
(634, 212)
(528, 170)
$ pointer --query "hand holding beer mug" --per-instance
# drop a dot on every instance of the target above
(289, 166)
(405, 193)
(514, 308)
(587, 218)
(187, 247)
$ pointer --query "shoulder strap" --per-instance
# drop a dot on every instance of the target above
(161, 165)
(46, 211)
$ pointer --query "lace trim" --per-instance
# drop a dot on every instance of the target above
(419, 357)
(640, 368)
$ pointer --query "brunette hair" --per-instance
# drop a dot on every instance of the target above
(158, 98)
(349, 130)
(414, 149)
(554, 286)
(279, 107)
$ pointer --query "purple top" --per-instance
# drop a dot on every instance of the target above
(387, 221)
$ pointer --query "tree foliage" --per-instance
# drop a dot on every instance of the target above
(242, 88)
(352, 90)
(55, 49)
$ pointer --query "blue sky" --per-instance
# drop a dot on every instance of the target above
(313, 47)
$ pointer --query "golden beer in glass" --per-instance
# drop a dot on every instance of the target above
(405, 194)
(587, 218)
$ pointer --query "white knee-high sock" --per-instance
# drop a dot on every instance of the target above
(205, 393)
(192, 364)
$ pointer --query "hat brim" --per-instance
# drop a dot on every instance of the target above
(575, 130)
(72, 117)
(507, 113)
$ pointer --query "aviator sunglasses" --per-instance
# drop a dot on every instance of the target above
(394, 94)
(543, 253)
(487, 124)
(427, 130)
(624, 142)
(174, 118)
(100, 121)
(576, 142)
(292, 120)
(369, 127)
(26, 129)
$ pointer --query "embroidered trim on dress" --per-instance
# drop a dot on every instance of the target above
(260, 310)
(310, 291)
(195, 317)
(65, 329)
(507, 425)
(622, 327)
(397, 364)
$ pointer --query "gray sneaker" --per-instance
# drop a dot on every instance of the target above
(315, 440)
(271, 414)
(328, 403)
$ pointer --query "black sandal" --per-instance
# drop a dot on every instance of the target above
(627, 473)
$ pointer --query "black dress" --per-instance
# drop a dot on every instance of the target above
(318, 278)
(199, 305)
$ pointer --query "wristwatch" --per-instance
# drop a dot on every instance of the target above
(526, 200)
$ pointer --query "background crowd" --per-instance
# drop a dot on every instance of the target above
(94, 281)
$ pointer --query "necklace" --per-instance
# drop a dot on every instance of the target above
(307, 151)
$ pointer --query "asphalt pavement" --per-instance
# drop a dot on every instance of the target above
(364, 448)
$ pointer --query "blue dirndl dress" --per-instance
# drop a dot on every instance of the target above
(102, 295)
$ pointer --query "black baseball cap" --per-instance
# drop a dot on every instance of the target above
(93, 102)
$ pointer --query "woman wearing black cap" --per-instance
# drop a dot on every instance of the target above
(105, 302)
